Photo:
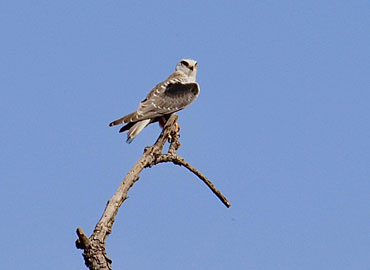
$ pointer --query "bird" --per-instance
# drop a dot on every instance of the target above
(175, 93)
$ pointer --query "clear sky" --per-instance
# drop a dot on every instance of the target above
(281, 126)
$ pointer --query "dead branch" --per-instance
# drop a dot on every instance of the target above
(175, 159)
(94, 253)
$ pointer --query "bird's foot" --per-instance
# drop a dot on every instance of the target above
(177, 129)
(175, 133)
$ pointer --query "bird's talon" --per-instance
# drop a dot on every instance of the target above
(177, 127)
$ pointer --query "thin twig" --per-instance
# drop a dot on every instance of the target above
(182, 162)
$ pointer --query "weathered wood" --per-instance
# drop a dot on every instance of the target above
(94, 253)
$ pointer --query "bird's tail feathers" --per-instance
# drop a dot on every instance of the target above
(126, 119)
(136, 129)
(126, 127)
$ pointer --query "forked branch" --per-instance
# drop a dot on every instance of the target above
(94, 253)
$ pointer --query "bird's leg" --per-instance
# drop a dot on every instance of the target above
(162, 121)
(177, 129)
(175, 133)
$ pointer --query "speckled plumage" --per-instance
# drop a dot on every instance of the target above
(177, 92)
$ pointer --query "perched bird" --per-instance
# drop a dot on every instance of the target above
(177, 92)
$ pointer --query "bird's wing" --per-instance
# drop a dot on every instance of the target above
(167, 98)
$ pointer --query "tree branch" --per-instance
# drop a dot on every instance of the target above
(94, 253)
(175, 159)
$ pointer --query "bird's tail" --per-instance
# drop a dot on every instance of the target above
(136, 129)
(127, 127)
(126, 119)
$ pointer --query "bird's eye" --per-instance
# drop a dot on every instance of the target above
(184, 63)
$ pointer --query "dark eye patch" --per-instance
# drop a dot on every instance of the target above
(185, 63)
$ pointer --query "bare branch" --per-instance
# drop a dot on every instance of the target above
(175, 159)
(94, 253)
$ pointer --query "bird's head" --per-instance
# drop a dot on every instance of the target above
(188, 67)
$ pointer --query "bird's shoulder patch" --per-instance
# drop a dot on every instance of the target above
(179, 89)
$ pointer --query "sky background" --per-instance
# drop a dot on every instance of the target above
(281, 127)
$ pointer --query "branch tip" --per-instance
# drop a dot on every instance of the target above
(83, 242)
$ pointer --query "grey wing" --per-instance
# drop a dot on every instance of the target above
(174, 97)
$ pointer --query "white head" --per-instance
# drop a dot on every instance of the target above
(188, 67)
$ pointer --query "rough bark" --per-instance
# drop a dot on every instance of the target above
(94, 253)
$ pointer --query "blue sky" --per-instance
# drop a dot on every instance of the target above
(281, 127)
